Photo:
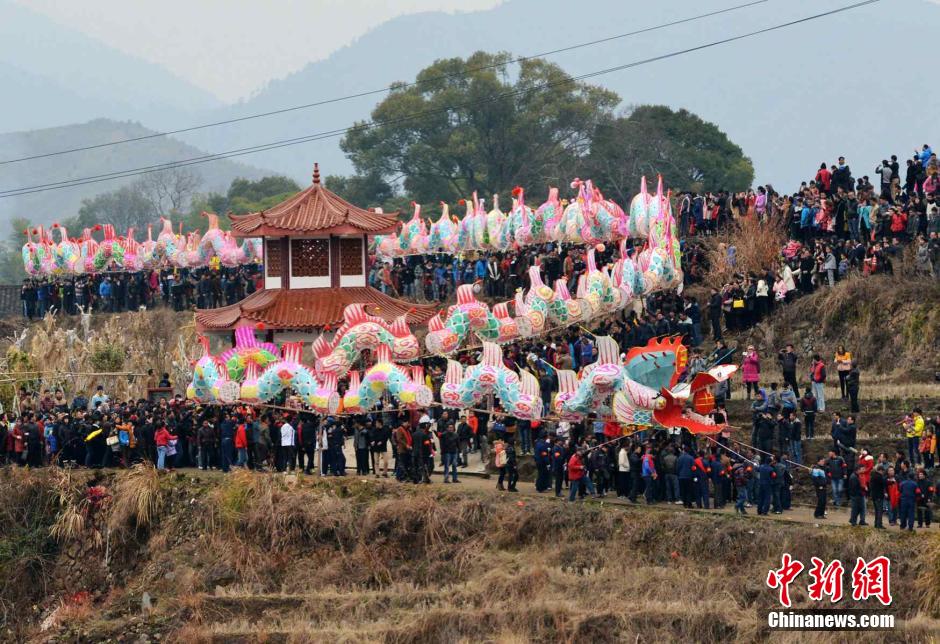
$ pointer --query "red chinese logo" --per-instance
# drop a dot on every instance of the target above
(872, 579)
(784, 576)
(869, 579)
(827, 580)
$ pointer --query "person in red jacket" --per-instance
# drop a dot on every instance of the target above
(898, 222)
(162, 440)
(701, 473)
(867, 461)
(577, 475)
(19, 443)
(894, 496)
(241, 444)
(823, 178)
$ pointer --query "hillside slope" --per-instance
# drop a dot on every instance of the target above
(890, 323)
(285, 559)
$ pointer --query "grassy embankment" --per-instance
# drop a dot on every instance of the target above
(262, 557)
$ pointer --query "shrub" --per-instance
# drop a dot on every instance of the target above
(757, 247)
(107, 357)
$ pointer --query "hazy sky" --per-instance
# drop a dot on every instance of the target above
(232, 47)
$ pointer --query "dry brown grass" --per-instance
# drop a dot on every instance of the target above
(161, 340)
(137, 500)
(928, 584)
(260, 558)
(891, 324)
(757, 248)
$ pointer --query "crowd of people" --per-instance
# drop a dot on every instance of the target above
(836, 225)
(842, 231)
(181, 288)
(572, 459)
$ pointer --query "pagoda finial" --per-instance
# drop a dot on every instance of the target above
(316, 173)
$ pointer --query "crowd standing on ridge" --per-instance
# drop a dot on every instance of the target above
(570, 459)
(180, 289)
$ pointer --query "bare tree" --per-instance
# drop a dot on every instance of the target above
(169, 190)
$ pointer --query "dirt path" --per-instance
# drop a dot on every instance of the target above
(838, 517)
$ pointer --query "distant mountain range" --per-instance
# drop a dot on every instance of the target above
(855, 84)
(54, 75)
(52, 205)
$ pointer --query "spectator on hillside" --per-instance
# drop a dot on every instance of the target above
(750, 369)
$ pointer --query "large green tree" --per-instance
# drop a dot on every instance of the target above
(478, 124)
(689, 152)
(11, 252)
(124, 208)
(243, 196)
(365, 190)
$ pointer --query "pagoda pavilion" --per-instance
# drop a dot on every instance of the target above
(315, 264)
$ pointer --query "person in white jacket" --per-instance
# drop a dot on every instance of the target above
(762, 293)
(287, 446)
(787, 275)
(623, 470)
(830, 266)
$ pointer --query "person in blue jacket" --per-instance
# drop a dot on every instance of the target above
(765, 476)
(684, 471)
(649, 474)
(559, 458)
(479, 269)
(924, 155)
(543, 464)
(807, 220)
(908, 488)
(716, 475)
(104, 292)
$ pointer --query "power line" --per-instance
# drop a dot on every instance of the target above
(384, 89)
(332, 133)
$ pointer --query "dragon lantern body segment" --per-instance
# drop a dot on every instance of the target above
(518, 394)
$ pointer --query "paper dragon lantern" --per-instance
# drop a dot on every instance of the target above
(325, 398)
(525, 225)
(39, 255)
(597, 287)
(639, 212)
(67, 254)
(532, 310)
(247, 350)
(469, 314)
(550, 213)
(652, 388)
(359, 332)
(289, 374)
(518, 394)
(407, 388)
(444, 233)
(249, 386)
(626, 276)
(208, 375)
(70, 256)
(578, 397)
